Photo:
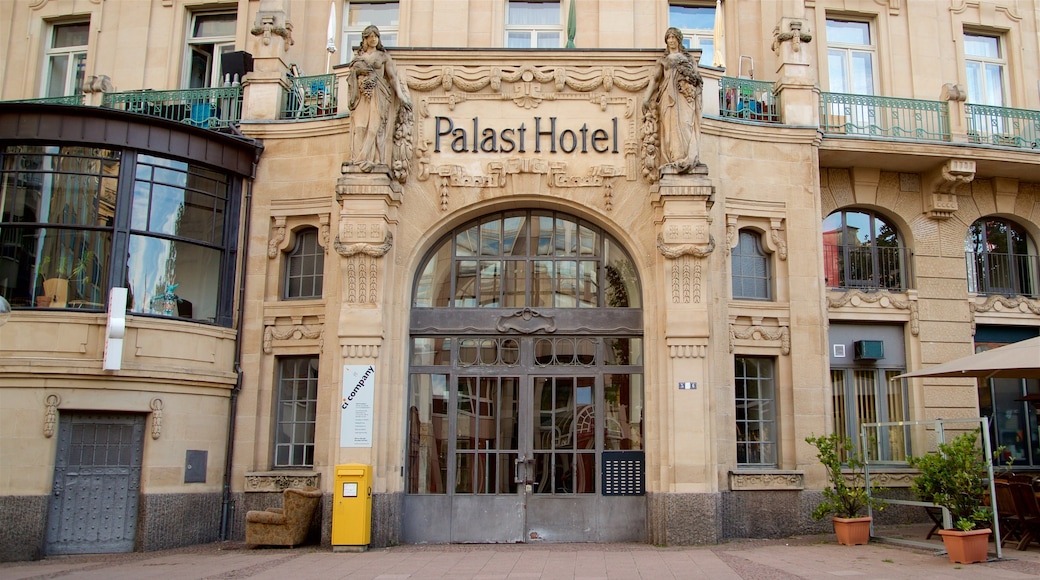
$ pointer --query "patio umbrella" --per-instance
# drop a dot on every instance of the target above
(719, 58)
(1020, 360)
(331, 46)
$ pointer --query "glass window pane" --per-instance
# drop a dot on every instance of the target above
(66, 35)
(361, 14)
(533, 13)
(862, 73)
(434, 288)
(691, 17)
(518, 40)
(57, 73)
(844, 32)
(214, 25)
(985, 46)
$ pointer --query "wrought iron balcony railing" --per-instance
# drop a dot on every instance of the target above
(867, 267)
(212, 108)
(312, 97)
(872, 116)
(66, 100)
(748, 99)
(1003, 274)
(1003, 126)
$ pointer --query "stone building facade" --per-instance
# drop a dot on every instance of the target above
(529, 323)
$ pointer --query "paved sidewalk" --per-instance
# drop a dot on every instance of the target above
(796, 557)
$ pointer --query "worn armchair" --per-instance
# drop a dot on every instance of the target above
(287, 525)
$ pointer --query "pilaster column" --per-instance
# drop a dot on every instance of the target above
(796, 81)
(263, 89)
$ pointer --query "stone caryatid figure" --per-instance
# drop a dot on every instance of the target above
(380, 110)
(672, 112)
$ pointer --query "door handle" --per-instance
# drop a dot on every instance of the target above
(517, 478)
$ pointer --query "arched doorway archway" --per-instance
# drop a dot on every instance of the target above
(526, 395)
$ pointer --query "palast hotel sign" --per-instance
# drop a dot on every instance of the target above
(539, 135)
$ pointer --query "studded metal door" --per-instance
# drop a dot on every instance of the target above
(97, 479)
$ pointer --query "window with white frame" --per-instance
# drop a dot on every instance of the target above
(66, 59)
(750, 264)
(211, 35)
(755, 390)
(697, 23)
(359, 15)
(533, 25)
(305, 267)
(850, 56)
(984, 60)
(296, 410)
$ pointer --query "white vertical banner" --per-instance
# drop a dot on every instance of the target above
(355, 426)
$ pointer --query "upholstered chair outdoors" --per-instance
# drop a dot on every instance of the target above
(287, 525)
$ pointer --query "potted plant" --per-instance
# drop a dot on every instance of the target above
(846, 498)
(955, 477)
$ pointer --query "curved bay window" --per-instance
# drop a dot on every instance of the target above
(861, 250)
(78, 220)
(1001, 259)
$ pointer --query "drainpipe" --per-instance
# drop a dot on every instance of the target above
(227, 507)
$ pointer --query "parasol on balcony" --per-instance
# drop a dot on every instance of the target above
(719, 58)
(331, 45)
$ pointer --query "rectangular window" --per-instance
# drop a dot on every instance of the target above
(697, 23)
(428, 433)
(533, 25)
(984, 60)
(211, 35)
(850, 57)
(384, 15)
(867, 396)
(296, 412)
(66, 59)
(755, 386)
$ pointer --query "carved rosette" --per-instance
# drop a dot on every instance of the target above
(278, 482)
(295, 332)
(50, 415)
(766, 480)
(884, 299)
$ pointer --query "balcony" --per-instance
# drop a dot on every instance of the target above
(310, 97)
(1003, 126)
(213, 108)
(884, 117)
(867, 268)
(1003, 274)
(748, 99)
(66, 100)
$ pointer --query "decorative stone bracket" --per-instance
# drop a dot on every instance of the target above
(273, 23)
(944, 183)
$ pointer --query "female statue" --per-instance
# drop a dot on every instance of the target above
(672, 111)
(380, 109)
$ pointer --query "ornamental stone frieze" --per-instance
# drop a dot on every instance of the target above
(278, 481)
(50, 414)
(765, 480)
(857, 299)
(157, 406)
(774, 332)
(441, 91)
(687, 347)
(1001, 307)
(288, 323)
(884, 479)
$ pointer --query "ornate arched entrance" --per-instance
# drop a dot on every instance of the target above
(525, 399)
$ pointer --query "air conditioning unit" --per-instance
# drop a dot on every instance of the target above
(869, 349)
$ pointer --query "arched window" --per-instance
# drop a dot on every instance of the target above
(861, 250)
(305, 267)
(751, 275)
(1001, 259)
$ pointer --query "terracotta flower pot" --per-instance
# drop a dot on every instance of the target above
(852, 531)
(966, 547)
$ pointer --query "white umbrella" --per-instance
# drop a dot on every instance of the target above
(719, 58)
(1019, 360)
(331, 46)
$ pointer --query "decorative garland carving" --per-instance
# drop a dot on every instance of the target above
(882, 479)
(998, 303)
(50, 415)
(782, 333)
(582, 79)
(157, 411)
(296, 332)
(526, 321)
(268, 27)
(373, 250)
(794, 35)
(882, 298)
(673, 251)
(766, 480)
(278, 482)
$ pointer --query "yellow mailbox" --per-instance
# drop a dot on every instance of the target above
(352, 506)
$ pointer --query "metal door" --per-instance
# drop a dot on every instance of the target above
(97, 475)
